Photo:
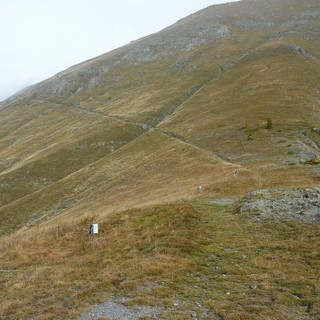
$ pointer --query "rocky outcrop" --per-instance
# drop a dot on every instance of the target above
(301, 204)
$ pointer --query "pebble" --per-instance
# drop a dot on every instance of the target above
(253, 286)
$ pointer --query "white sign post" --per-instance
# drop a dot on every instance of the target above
(93, 229)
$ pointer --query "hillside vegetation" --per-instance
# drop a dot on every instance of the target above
(188, 258)
(227, 99)
(233, 87)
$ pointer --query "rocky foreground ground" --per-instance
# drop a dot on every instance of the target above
(301, 204)
(277, 205)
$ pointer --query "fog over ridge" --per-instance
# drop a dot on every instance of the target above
(41, 38)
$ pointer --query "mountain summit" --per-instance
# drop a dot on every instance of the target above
(227, 98)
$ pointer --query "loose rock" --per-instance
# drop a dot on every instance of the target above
(301, 204)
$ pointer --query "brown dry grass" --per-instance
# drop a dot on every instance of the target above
(199, 254)
(53, 271)
(211, 127)
(50, 142)
(153, 168)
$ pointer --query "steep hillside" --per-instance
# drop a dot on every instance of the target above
(227, 98)
(196, 149)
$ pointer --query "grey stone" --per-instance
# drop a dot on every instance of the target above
(295, 49)
(292, 204)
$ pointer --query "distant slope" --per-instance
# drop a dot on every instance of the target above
(228, 98)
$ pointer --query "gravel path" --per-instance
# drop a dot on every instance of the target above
(113, 308)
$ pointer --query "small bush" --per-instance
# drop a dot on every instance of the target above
(269, 124)
(249, 138)
(310, 162)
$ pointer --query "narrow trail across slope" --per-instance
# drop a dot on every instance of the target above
(212, 155)
(204, 85)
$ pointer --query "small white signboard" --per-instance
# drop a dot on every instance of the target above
(93, 228)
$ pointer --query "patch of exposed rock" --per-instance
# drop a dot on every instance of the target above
(175, 39)
(114, 308)
(222, 201)
(301, 204)
(299, 51)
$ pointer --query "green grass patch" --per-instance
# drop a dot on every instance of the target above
(310, 162)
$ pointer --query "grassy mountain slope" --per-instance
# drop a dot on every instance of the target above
(267, 117)
(227, 98)
(237, 82)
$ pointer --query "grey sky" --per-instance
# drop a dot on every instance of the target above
(39, 38)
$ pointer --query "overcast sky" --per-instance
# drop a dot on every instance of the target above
(39, 38)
